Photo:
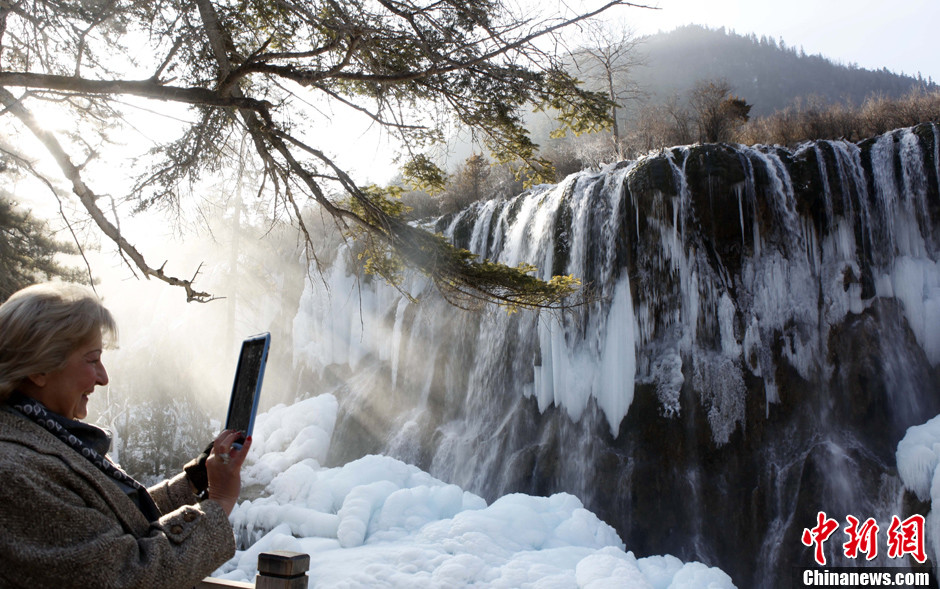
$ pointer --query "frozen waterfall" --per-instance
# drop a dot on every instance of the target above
(764, 326)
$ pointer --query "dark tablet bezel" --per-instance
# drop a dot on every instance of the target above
(246, 388)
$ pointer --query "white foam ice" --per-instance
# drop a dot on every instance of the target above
(378, 522)
(918, 456)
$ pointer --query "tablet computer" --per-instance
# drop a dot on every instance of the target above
(246, 391)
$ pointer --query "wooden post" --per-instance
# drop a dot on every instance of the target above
(281, 569)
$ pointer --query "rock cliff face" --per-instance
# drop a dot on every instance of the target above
(765, 326)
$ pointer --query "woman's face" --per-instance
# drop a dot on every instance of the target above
(66, 391)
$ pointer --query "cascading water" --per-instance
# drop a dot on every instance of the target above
(764, 326)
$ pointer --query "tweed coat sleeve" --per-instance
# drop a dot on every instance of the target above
(66, 524)
(172, 493)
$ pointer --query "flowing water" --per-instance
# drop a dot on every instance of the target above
(764, 326)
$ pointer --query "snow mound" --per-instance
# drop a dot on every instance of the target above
(378, 522)
(918, 455)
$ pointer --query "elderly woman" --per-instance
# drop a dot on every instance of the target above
(69, 517)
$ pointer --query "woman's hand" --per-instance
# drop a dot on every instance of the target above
(223, 468)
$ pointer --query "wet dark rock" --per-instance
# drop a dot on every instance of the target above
(728, 462)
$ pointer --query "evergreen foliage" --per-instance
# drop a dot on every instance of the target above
(767, 72)
(27, 252)
(699, 84)
(696, 84)
(262, 68)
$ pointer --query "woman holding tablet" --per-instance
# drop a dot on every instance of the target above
(70, 517)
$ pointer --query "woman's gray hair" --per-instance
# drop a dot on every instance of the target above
(42, 324)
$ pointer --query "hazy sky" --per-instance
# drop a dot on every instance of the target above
(901, 35)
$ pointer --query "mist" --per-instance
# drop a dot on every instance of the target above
(172, 369)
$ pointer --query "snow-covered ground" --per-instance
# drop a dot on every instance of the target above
(378, 522)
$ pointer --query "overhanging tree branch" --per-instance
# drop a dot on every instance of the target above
(143, 88)
(88, 198)
(429, 64)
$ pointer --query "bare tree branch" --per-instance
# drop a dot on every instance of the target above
(88, 198)
(143, 88)
(451, 62)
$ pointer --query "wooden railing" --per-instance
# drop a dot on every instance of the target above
(278, 569)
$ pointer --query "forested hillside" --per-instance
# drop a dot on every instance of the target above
(691, 85)
(768, 73)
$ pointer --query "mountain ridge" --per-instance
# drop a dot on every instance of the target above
(765, 72)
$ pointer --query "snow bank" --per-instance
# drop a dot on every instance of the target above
(378, 522)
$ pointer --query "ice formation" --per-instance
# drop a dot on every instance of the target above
(378, 522)
(918, 456)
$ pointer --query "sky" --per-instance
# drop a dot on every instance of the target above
(873, 34)
(900, 35)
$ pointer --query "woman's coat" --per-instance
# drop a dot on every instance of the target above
(64, 523)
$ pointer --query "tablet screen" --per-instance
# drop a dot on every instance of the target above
(247, 388)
